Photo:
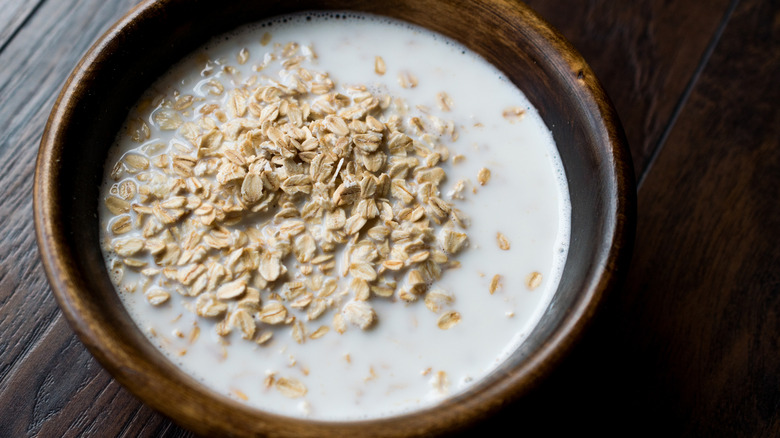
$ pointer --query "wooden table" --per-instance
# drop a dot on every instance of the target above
(690, 345)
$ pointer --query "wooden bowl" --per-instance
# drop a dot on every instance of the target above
(141, 46)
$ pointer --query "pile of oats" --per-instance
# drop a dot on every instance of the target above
(283, 199)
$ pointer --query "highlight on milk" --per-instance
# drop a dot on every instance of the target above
(334, 215)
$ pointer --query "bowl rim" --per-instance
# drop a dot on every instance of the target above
(611, 264)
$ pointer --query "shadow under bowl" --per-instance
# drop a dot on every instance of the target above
(150, 38)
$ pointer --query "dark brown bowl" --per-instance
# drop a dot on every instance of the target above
(141, 46)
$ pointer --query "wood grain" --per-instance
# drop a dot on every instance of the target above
(645, 52)
(49, 384)
(710, 288)
(13, 15)
(689, 345)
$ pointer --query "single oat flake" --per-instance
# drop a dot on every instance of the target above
(448, 320)
(502, 241)
(440, 382)
(533, 280)
(483, 176)
(379, 65)
(290, 387)
(495, 282)
(514, 114)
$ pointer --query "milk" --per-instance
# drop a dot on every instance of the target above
(405, 362)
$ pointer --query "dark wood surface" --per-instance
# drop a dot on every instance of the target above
(690, 345)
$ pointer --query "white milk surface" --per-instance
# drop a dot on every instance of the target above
(391, 368)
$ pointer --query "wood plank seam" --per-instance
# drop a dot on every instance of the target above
(40, 333)
(130, 421)
(24, 22)
(687, 92)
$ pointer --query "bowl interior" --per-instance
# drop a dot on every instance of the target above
(145, 43)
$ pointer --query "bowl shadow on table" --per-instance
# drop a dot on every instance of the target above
(608, 383)
(552, 75)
